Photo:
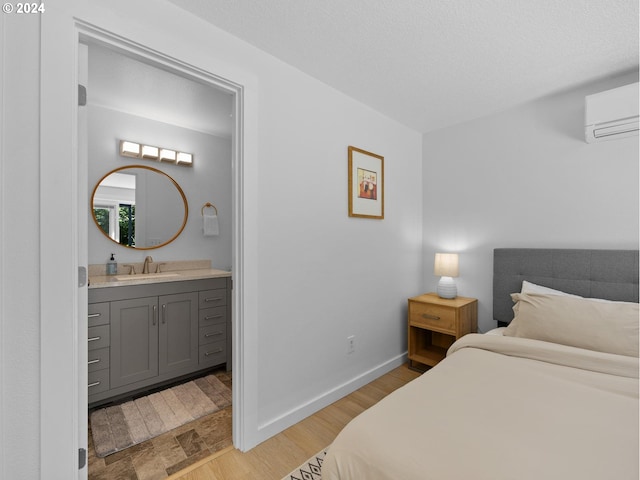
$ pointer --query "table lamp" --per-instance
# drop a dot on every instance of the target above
(446, 266)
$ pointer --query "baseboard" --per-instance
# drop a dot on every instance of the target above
(276, 425)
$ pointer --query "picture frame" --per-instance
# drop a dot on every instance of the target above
(366, 184)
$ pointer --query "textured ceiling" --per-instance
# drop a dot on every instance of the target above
(430, 64)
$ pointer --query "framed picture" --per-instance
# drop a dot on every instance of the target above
(366, 184)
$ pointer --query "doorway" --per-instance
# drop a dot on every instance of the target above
(125, 52)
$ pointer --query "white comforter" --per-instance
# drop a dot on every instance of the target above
(500, 408)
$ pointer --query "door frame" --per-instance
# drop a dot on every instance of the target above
(61, 297)
(92, 34)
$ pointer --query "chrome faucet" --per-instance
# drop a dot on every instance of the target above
(147, 261)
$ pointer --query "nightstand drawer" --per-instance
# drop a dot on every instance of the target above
(432, 316)
(434, 324)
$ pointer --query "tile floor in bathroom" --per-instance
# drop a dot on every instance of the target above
(168, 453)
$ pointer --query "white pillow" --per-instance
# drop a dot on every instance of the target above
(611, 327)
(528, 287)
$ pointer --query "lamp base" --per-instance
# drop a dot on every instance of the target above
(447, 288)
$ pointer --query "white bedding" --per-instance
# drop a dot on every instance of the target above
(500, 408)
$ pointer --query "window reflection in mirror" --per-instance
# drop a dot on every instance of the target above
(139, 207)
(114, 207)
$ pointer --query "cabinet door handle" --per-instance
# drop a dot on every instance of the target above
(213, 299)
(211, 317)
(164, 313)
(212, 334)
(219, 350)
(94, 315)
(91, 362)
(93, 339)
(94, 384)
(430, 317)
(155, 315)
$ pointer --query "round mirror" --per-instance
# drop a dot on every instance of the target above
(139, 207)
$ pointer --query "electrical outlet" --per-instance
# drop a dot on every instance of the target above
(351, 344)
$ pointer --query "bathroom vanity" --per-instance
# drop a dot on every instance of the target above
(146, 330)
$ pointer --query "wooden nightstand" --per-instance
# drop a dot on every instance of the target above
(435, 323)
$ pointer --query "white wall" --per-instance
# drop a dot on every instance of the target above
(209, 180)
(314, 277)
(323, 275)
(526, 177)
(19, 248)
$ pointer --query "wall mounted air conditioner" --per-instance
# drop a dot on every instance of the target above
(612, 114)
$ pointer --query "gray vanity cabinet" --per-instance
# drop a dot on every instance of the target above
(144, 335)
(98, 340)
(134, 340)
(178, 325)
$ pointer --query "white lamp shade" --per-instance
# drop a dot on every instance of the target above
(446, 265)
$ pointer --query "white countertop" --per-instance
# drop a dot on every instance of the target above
(123, 280)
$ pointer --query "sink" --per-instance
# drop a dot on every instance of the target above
(144, 276)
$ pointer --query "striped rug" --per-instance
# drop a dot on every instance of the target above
(121, 426)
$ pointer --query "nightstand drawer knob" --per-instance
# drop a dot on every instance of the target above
(431, 317)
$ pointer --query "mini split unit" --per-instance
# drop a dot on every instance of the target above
(612, 114)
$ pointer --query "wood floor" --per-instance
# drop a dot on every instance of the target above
(276, 457)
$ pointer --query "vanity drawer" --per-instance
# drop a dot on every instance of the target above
(98, 359)
(437, 317)
(212, 298)
(98, 337)
(98, 381)
(98, 314)
(210, 316)
(212, 333)
(213, 353)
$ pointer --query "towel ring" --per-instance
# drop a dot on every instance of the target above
(208, 204)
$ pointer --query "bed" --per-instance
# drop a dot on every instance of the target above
(550, 394)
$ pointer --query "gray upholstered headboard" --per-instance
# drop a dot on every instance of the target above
(609, 274)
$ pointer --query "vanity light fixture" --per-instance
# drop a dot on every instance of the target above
(129, 149)
(137, 150)
(184, 158)
(167, 155)
(149, 152)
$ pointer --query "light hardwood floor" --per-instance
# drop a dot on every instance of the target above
(279, 455)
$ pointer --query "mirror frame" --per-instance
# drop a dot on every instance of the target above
(180, 191)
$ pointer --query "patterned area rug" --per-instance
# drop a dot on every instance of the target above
(121, 426)
(309, 470)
